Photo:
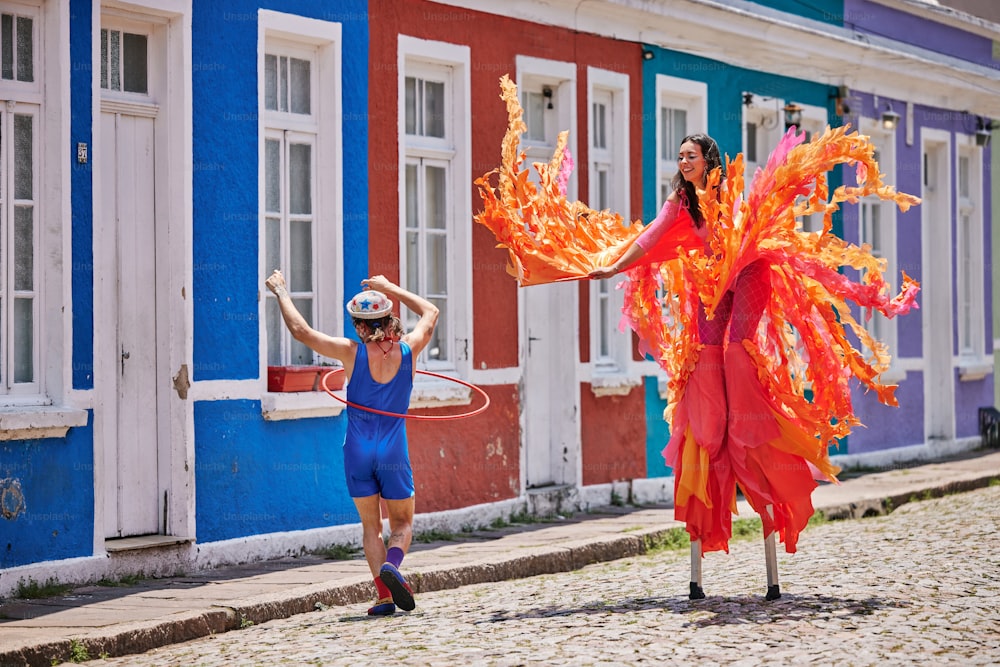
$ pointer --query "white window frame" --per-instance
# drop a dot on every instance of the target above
(885, 246)
(612, 90)
(765, 116)
(49, 410)
(295, 35)
(421, 58)
(682, 94)
(535, 75)
(973, 363)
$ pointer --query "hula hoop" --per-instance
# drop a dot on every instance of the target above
(482, 393)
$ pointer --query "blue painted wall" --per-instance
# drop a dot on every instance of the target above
(55, 479)
(226, 276)
(256, 477)
(81, 183)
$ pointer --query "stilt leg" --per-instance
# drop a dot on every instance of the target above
(696, 591)
(771, 562)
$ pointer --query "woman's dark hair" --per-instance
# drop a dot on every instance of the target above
(388, 327)
(685, 189)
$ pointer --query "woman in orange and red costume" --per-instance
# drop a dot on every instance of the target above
(745, 311)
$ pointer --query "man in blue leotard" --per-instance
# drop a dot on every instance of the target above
(376, 461)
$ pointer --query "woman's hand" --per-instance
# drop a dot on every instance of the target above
(605, 272)
(378, 283)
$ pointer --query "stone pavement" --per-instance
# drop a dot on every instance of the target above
(116, 621)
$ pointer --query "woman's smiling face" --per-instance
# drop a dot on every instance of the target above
(691, 163)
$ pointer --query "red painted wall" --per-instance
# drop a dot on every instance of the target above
(457, 463)
(613, 430)
(476, 460)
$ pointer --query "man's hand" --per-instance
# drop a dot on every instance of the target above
(276, 283)
(606, 272)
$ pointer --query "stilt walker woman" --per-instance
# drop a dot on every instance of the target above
(743, 309)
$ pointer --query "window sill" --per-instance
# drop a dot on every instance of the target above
(972, 369)
(300, 405)
(24, 422)
(616, 384)
(437, 393)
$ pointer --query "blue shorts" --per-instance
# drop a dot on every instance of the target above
(378, 468)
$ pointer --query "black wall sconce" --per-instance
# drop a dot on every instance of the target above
(793, 115)
(983, 134)
(890, 119)
(547, 94)
(647, 54)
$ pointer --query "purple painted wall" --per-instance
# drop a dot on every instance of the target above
(904, 425)
(869, 17)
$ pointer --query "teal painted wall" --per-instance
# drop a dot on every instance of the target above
(828, 11)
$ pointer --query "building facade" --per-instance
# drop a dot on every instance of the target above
(167, 155)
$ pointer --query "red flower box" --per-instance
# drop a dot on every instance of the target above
(301, 378)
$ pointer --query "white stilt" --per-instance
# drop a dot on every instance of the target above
(771, 562)
(697, 593)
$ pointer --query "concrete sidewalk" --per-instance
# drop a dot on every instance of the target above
(132, 619)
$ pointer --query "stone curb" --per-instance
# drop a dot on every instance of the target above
(142, 637)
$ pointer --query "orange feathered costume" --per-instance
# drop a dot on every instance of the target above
(748, 422)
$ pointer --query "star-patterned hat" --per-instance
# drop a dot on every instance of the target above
(369, 305)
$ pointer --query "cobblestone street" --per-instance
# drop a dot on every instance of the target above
(919, 586)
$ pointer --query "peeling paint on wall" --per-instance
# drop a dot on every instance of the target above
(11, 498)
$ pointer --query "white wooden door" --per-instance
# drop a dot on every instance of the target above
(550, 391)
(936, 292)
(128, 197)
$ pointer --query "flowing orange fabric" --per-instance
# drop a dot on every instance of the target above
(801, 360)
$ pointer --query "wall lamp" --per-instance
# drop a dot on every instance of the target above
(983, 132)
(647, 54)
(547, 94)
(890, 119)
(793, 115)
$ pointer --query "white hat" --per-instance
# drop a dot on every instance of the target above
(369, 305)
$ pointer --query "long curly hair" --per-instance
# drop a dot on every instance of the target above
(687, 190)
(383, 328)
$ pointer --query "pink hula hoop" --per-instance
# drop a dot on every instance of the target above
(482, 393)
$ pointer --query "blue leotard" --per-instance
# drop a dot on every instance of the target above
(376, 457)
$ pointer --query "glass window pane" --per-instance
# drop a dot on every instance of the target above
(434, 109)
(24, 367)
(411, 105)
(751, 143)
(679, 126)
(300, 272)
(412, 217)
(963, 176)
(24, 248)
(270, 82)
(272, 176)
(438, 346)
(604, 327)
(282, 83)
(413, 262)
(301, 355)
(436, 192)
(135, 63)
(534, 115)
(104, 58)
(666, 149)
(275, 329)
(272, 245)
(437, 264)
(24, 162)
(300, 178)
(300, 86)
(600, 138)
(25, 49)
(115, 63)
(7, 45)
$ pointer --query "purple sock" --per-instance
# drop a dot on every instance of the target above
(394, 556)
